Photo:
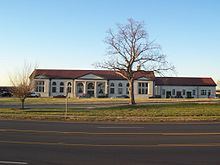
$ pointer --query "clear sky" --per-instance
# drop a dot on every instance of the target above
(69, 34)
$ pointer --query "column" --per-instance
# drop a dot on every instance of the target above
(84, 87)
(106, 87)
(74, 88)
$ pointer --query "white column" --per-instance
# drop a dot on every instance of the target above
(106, 87)
(84, 87)
(74, 88)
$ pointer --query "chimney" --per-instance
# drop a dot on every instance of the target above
(138, 67)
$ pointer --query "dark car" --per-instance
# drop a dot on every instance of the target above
(6, 94)
(122, 96)
(59, 96)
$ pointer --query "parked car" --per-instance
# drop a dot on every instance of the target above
(6, 94)
(122, 96)
(59, 96)
(33, 94)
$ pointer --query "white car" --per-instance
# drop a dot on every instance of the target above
(34, 94)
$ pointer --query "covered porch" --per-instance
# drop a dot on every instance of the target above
(90, 88)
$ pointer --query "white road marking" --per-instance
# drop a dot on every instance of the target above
(12, 162)
(115, 127)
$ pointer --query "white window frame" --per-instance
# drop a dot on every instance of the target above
(203, 92)
(142, 88)
(54, 87)
(39, 86)
(120, 88)
(112, 88)
(61, 87)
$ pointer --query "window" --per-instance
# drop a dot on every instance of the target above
(142, 88)
(39, 86)
(163, 91)
(112, 88)
(194, 92)
(54, 88)
(69, 87)
(80, 88)
(120, 88)
(61, 87)
(91, 86)
(184, 92)
(127, 87)
(173, 91)
(101, 88)
(203, 92)
(209, 92)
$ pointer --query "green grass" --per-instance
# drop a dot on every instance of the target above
(182, 111)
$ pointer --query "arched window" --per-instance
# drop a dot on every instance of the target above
(61, 87)
(69, 87)
(101, 88)
(120, 88)
(127, 86)
(79, 88)
(90, 89)
(54, 88)
(112, 88)
(90, 86)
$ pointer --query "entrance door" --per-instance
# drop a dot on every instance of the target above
(189, 94)
(168, 94)
(178, 94)
(90, 89)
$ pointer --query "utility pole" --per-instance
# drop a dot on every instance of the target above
(66, 105)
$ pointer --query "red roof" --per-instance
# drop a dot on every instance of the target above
(184, 81)
(74, 74)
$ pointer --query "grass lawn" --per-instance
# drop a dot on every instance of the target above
(150, 110)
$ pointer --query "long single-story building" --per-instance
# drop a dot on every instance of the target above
(107, 83)
(185, 87)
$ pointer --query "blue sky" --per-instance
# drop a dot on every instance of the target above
(69, 34)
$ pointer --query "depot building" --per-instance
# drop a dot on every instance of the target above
(107, 83)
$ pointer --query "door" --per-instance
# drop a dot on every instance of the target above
(189, 94)
(168, 94)
(178, 94)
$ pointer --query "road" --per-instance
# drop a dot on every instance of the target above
(58, 143)
(70, 105)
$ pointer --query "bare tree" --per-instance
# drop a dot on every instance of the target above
(130, 48)
(22, 85)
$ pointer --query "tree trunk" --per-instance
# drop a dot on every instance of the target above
(131, 92)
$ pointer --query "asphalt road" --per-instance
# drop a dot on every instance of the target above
(54, 143)
(70, 105)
